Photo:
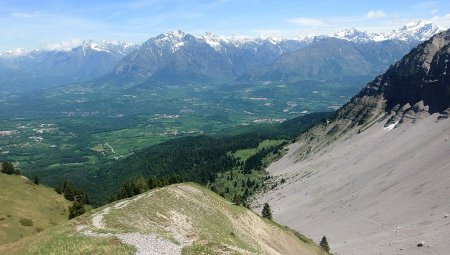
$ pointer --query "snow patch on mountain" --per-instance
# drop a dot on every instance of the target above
(417, 31)
(14, 53)
(175, 40)
(354, 35)
(211, 40)
(118, 47)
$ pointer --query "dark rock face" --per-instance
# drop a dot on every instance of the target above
(422, 75)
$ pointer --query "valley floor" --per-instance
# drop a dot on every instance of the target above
(379, 192)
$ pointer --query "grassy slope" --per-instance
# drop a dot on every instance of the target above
(21, 199)
(244, 154)
(187, 211)
(225, 181)
(64, 239)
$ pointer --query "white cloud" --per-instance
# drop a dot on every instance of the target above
(308, 22)
(375, 14)
(434, 11)
(64, 45)
(442, 21)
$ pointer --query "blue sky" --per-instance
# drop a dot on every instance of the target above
(32, 23)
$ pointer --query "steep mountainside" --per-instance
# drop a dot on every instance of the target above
(375, 178)
(178, 219)
(27, 209)
(423, 74)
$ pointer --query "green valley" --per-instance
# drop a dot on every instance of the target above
(76, 130)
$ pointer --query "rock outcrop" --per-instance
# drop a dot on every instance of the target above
(422, 75)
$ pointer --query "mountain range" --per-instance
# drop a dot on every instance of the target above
(179, 57)
(39, 68)
(416, 31)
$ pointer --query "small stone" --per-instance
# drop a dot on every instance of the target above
(421, 244)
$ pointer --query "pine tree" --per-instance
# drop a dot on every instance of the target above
(36, 180)
(59, 189)
(151, 183)
(8, 168)
(266, 211)
(324, 244)
(237, 199)
(69, 192)
(141, 184)
(76, 209)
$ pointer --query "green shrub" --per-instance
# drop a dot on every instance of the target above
(26, 222)
(36, 180)
(8, 168)
(76, 209)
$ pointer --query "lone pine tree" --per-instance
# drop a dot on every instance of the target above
(266, 211)
(324, 244)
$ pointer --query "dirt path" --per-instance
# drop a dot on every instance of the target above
(145, 244)
(97, 219)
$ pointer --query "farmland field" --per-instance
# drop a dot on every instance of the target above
(79, 127)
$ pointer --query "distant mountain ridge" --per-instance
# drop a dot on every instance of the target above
(418, 31)
(330, 58)
(39, 68)
(178, 57)
(106, 46)
(415, 31)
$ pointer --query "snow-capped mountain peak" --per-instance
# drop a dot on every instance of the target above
(172, 39)
(107, 46)
(178, 34)
(14, 53)
(353, 35)
(211, 39)
(89, 44)
(416, 31)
